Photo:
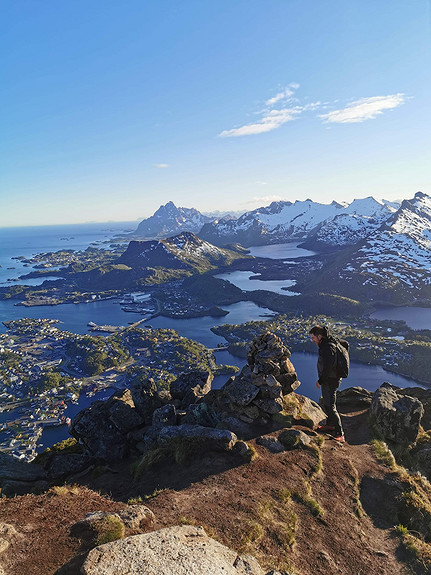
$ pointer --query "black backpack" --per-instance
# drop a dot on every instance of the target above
(343, 361)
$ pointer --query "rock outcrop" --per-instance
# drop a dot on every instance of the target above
(182, 550)
(104, 429)
(188, 387)
(140, 419)
(396, 416)
(424, 396)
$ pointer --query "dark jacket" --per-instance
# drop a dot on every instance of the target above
(327, 362)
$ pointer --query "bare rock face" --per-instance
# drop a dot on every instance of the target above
(182, 550)
(397, 416)
(424, 396)
(257, 393)
(18, 477)
(188, 387)
(103, 428)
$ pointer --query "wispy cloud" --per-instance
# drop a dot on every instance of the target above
(285, 94)
(284, 107)
(161, 166)
(272, 120)
(364, 109)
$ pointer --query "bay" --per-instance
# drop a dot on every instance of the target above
(241, 279)
(73, 317)
(198, 328)
(415, 317)
(32, 240)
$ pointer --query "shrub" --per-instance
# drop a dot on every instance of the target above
(107, 529)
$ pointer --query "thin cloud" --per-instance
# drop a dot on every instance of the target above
(286, 94)
(364, 109)
(272, 118)
(161, 166)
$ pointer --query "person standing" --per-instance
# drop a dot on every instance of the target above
(329, 380)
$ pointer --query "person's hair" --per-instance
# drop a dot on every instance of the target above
(319, 330)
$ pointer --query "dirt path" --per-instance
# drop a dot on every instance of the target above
(356, 536)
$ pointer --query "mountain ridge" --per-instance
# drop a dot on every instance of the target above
(392, 263)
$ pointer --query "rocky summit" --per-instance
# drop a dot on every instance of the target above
(141, 418)
(234, 480)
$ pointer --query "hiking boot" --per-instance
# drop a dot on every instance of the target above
(325, 427)
(339, 438)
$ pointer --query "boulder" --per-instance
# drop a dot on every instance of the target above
(294, 439)
(269, 406)
(97, 525)
(15, 469)
(8, 533)
(198, 437)
(182, 550)
(11, 488)
(237, 426)
(100, 437)
(271, 443)
(396, 416)
(310, 413)
(422, 456)
(121, 411)
(136, 516)
(201, 414)
(240, 391)
(105, 428)
(424, 396)
(354, 398)
(64, 464)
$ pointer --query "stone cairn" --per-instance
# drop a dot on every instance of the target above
(257, 393)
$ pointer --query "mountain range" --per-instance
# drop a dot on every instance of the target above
(380, 249)
(393, 262)
(329, 225)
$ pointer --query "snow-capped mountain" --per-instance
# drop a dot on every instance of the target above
(357, 221)
(393, 263)
(184, 251)
(311, 222)
(169, 220)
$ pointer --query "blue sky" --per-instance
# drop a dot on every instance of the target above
(109, 109)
